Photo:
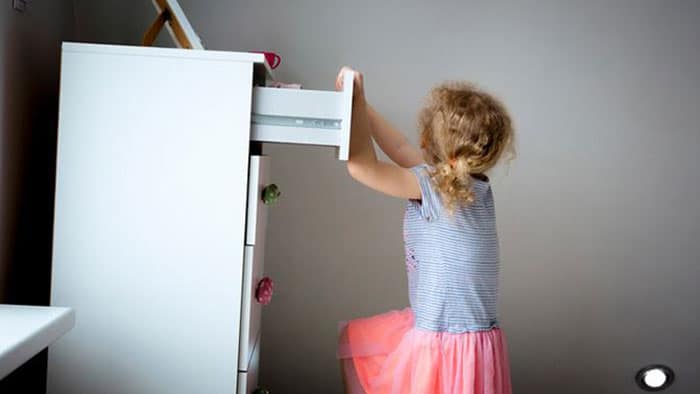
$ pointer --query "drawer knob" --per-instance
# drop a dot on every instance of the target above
(270, 194)
(264, 290)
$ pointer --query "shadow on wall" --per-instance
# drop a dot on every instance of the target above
(9, 160)
(28, 121)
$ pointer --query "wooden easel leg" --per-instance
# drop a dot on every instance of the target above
(156, 27)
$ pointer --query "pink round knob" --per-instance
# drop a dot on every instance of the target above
(264, 290)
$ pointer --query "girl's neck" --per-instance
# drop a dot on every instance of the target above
(480, 177)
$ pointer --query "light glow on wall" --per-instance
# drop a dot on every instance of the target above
(655, 377)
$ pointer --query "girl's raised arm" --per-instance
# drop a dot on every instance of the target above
(363, 164)
(392, 141)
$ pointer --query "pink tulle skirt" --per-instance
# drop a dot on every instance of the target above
(386, 354)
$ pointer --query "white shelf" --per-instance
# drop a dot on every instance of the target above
(27, 330)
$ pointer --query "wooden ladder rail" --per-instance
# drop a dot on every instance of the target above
(166, 15)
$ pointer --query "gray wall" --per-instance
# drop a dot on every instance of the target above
(598, 216)
(29, 69)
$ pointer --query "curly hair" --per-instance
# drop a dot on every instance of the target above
(464, 132)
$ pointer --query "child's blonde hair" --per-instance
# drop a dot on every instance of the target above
(464, 132)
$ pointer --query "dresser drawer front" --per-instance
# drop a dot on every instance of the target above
(248, 379)
(258, 181)
(251, 309)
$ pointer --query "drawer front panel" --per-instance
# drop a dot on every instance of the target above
(251, 309)
(258, 181)
(248, 379)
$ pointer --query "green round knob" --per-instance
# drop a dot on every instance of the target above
(270, 194)
(261, 391)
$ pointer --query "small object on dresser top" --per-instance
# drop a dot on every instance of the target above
(283, 85)
(272, 58)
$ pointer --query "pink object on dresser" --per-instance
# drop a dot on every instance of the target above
(272, 58)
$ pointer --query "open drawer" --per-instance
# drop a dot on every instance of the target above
(308, 117)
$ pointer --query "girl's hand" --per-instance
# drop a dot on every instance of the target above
(358, 78)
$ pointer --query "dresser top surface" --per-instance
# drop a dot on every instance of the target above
(133, 50)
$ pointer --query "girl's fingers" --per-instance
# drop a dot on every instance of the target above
(357, 78)
(339, 79)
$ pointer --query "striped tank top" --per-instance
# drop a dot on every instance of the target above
(452, 259)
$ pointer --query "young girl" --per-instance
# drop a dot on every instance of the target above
(449, 340)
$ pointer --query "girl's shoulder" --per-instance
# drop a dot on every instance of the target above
(429, 205)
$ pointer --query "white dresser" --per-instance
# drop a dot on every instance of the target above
(159, 219)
